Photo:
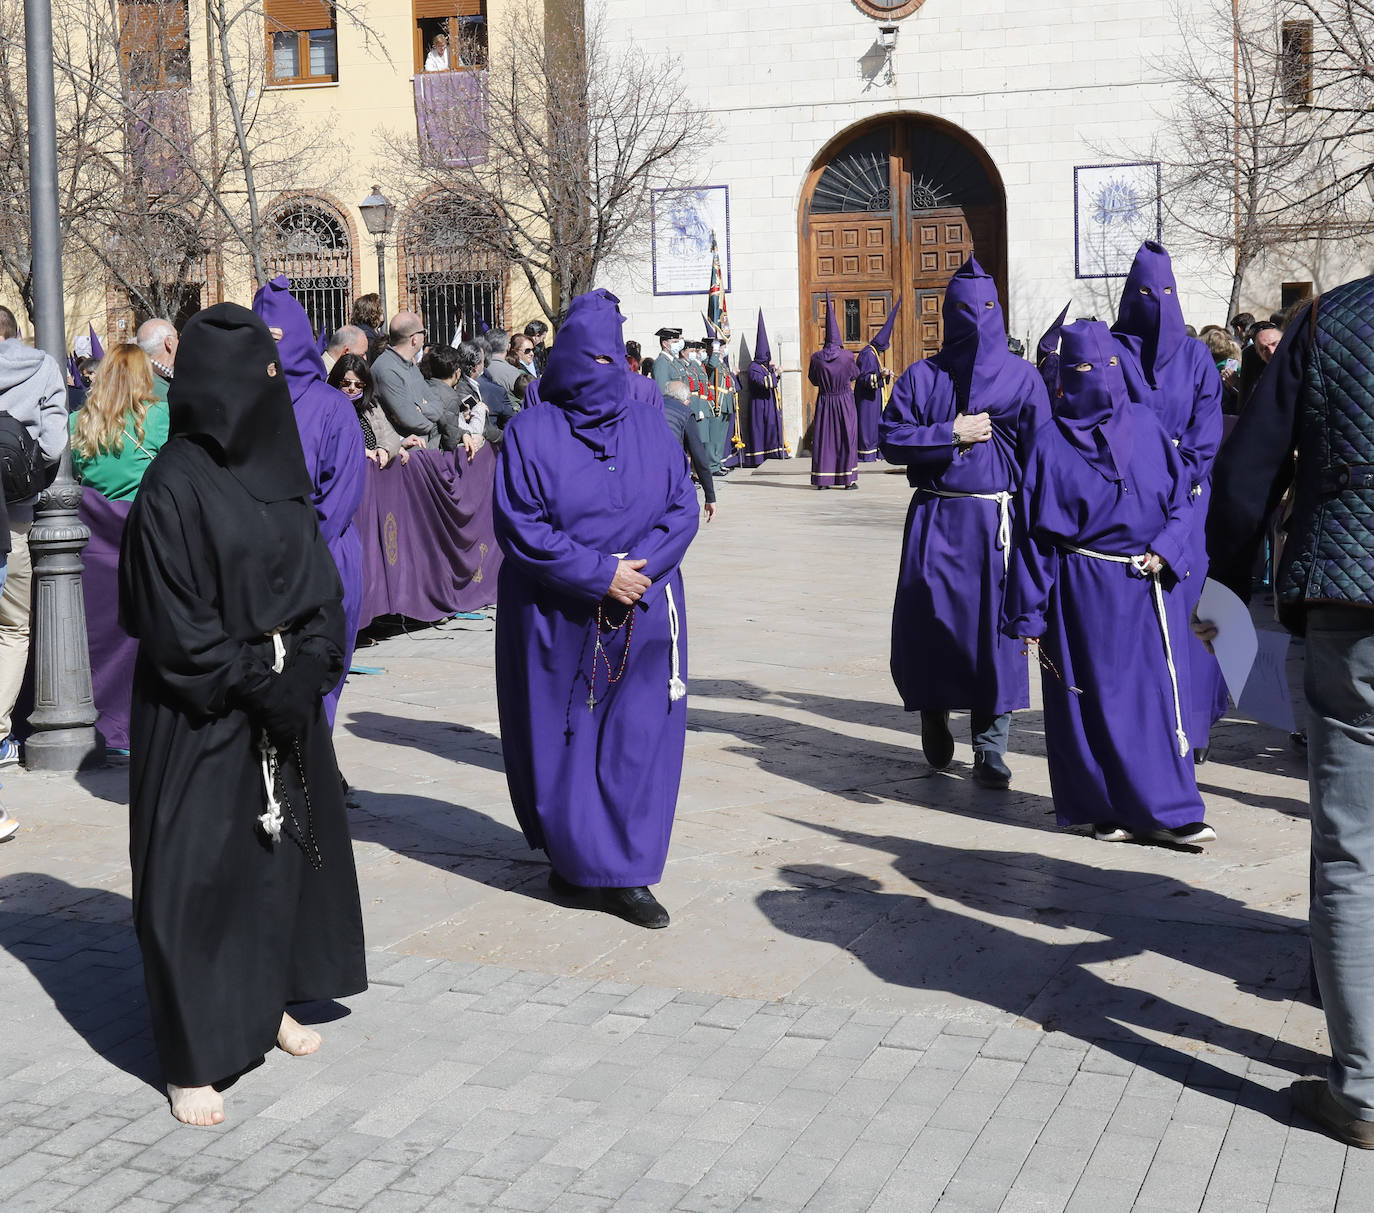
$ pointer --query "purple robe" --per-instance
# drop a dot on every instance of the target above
(1112, 744)
(584, 475)
(1176, 376)
(763, 409)
(334, 454)
(868, 402)
(948, 651)
(835, 430)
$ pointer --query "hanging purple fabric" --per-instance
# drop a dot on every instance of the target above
(112, 649)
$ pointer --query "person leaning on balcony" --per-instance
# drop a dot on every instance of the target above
(121, 427)
(437, 58)
(399, 384)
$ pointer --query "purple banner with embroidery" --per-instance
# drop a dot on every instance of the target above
(429, 543)
(451, 117)
(159, 137)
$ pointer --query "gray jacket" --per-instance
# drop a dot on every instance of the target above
(404, 395)
(32, 391)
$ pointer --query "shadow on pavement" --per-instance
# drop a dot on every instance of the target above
(1105, 917)
(472, 747)
(88, 966)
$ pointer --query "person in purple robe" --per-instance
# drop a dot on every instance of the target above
(594, 512)
(763, 406)
(835, 429)
(870, 385)
(960, 422)
(1177, 377)
(334, 453)
(1103, 539)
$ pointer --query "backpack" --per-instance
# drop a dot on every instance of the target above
(22, 474)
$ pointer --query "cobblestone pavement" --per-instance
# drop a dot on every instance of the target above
(883, 988)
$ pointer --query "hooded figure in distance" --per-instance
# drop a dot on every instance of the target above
(334, 453)
(1102, 546)
(835, 430)
(1176, 376)
(871, 384)
(763, 410)
(236, 604)
(594, 513)
(961, 422)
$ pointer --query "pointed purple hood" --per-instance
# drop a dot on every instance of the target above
(974, 352)
(834, 342)
(1150, 320)
(593, 394)
(299, 358)
(1092, 407)
(1046, 359)
(884, 335)
(762, 350)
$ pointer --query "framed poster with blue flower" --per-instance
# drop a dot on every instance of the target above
(1116, 208)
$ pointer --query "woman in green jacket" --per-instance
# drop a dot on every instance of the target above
(121, 427)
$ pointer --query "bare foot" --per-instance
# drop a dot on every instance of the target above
(296, 1040)
(196, 1105)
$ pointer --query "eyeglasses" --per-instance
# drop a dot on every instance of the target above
(416, 333)
(349, 381)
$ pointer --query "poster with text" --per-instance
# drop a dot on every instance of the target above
(683, 220)
(1116, 208)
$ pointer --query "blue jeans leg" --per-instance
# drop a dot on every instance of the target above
(1339, 685)
(990, 732)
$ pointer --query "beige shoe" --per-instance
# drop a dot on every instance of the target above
(1312, 1097)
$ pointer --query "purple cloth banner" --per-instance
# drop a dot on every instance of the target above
(429, 544)
(451, 116)
(429, 549)
(112, 649)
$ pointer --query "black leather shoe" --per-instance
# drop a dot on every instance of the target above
(636, 905)
(937, 743)
(990, 771)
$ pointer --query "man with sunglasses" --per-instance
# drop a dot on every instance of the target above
(399, 385)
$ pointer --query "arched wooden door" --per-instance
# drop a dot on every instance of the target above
(893, 208)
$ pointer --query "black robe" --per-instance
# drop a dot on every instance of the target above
(232, 927)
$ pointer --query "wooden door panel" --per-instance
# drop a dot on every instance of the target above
(929, 324)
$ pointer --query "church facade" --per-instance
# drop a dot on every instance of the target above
(868, 146)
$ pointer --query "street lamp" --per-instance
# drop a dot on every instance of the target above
(64, 715)
(377, 216)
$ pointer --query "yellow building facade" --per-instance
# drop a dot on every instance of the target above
(349, 100)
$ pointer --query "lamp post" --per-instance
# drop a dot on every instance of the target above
(377, 216)
(64, 715)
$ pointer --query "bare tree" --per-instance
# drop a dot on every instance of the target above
(1340, 85)
(1239, 154)
(547, 161)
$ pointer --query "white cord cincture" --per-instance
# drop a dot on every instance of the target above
(677, 689)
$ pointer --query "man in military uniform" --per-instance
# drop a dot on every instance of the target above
(722, 393)
(670, 364)
(703, 407)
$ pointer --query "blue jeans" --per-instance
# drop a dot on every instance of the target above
(1339, 686)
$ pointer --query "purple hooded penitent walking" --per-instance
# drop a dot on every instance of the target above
(1177, 377)
(591, 692)
(1103, 485)
(868, 388)
(763, 435)
(835, 430)
(947, 649)
(334, 455)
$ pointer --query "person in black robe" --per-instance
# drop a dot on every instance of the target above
(244, 903)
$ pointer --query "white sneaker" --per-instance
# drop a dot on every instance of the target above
(8, 826)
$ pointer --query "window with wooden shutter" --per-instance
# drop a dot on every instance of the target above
(302, 41)
(1295, 63)
(155, 43)
(450, 35)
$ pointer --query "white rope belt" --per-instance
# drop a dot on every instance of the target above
(271, 820)
(677, 689)
(1003, 500)
(1157, 592)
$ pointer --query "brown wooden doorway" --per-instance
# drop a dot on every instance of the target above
(893, 207)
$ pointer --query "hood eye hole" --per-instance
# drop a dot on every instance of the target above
(1168, 290)
(601, 358)
(965, 307)
(988, 304)
(1084, 366)
(1113, 360)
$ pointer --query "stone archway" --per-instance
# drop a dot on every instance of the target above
(893, 207)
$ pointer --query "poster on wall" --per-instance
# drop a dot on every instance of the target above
(1116, 208)
(682, 222)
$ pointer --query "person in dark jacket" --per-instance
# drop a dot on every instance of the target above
(683, 424)
(1316, 396)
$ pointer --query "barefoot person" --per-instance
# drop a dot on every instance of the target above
(594, 512)
(243, 903)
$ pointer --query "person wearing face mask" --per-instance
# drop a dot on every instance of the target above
(1103, 539)
(670, 364)
(245, 895)
(594, 512)
(835, 429)
(763, 429)
(961, 423)
(333, 446)
(1177, 377)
